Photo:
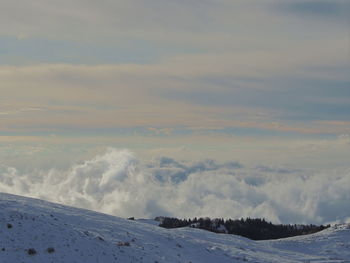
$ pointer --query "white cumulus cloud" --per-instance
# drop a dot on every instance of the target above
(118, 183)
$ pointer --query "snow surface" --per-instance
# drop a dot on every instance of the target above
(77, 235)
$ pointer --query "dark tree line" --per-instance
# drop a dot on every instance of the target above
(256, 229)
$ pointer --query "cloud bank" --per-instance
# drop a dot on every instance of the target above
(118, 183)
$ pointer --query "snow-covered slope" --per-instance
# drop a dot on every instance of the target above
(32, 230)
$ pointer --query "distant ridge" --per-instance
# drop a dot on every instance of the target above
(256, 229)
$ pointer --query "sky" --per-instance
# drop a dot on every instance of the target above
(255, 82)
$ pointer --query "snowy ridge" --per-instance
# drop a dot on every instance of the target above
(32, 230)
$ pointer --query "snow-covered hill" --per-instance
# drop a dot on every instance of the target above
(32, 230)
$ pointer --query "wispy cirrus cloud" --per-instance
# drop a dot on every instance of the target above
(165, 96)
(10, 110)
(129, 64)
(321, 8)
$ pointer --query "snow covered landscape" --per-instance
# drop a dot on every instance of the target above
(33, 230)
(193, 131)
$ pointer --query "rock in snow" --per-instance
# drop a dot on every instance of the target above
(33, 230)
